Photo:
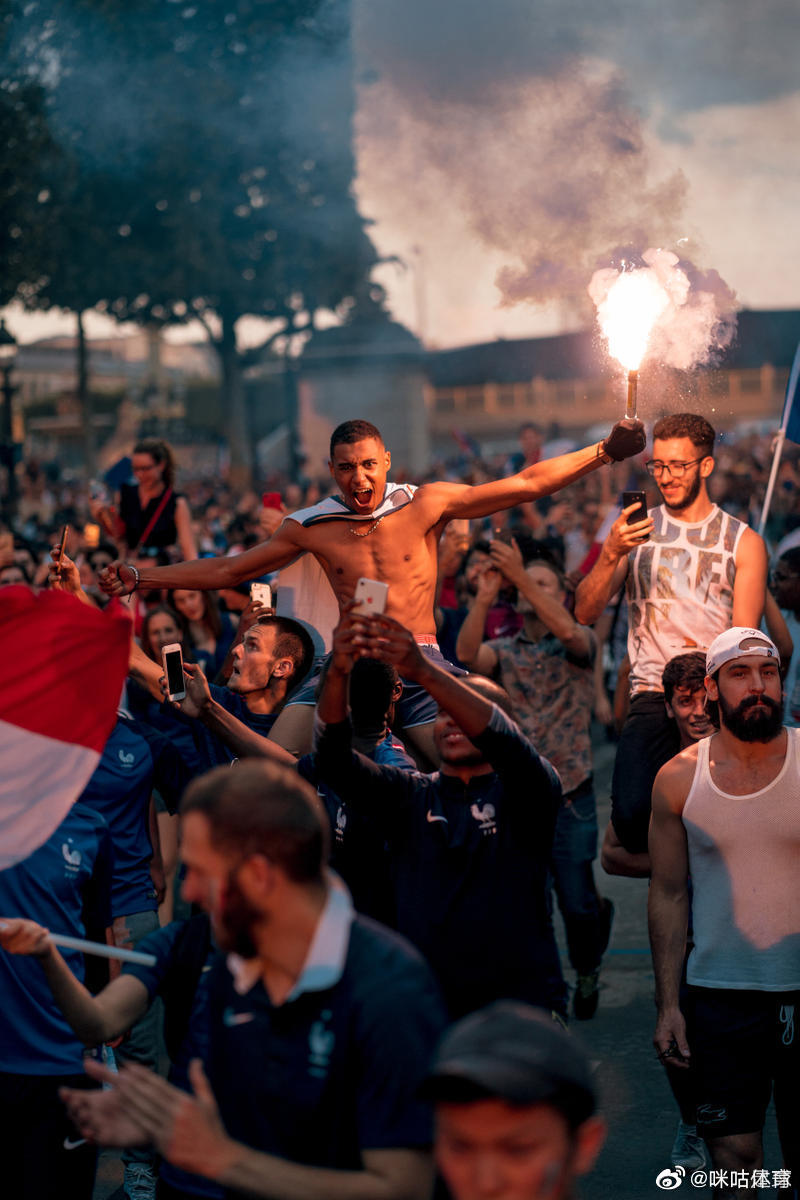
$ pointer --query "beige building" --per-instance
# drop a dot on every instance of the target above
(487, 391)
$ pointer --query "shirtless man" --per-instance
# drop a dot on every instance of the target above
(379, 530)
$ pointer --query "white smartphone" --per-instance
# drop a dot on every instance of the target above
(371, 596)
(172, 660)
(261, 592)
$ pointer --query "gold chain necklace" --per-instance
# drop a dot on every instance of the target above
(367, 532)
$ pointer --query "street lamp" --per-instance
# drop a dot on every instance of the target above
(8, 358)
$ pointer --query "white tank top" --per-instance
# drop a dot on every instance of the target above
(744, 860)
(680, 591)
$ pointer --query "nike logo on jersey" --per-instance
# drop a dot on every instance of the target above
(73, 1143)
(435, 817)
(231, 1018)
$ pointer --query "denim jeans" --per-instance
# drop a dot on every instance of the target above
(144, 1039)
(574, 851)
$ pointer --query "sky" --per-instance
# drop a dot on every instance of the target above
(506, 150)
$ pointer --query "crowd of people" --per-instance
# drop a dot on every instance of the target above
(366, 819)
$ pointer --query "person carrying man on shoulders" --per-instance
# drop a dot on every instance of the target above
(379, 530)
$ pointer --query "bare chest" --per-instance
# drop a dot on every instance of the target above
(396, 549)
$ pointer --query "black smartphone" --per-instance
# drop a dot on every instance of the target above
(62, 546)
(638, 514)
(172, 660)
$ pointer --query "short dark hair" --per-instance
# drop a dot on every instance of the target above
(261, 807)
(292, 641)
(689, 425)
(354, 431)
(490, 691)
(791, 558)
(372, 682)
(684, 670)
(535, 551)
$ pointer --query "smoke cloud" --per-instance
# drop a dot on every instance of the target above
(494, 111)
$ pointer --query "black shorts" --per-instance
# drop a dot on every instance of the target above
(648, 740)
(743, 1043)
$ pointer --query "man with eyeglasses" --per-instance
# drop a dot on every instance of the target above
(691, 572)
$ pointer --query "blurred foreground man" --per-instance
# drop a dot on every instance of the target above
(515, 1107)
(321, 1023)
(727, 811)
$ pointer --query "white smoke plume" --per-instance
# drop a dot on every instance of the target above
(498, 112)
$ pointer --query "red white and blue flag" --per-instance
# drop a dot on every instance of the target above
(62, 668)
(790, 420)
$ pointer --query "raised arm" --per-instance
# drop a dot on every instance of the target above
(183, 527)
(207, 573)
(547, 606)
(243, 741)
(750, 581)
(668, 903)
(626, 439)
(93, 1019)
(470, 646)
(608, 573)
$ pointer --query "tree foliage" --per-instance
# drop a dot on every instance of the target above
(201, 162)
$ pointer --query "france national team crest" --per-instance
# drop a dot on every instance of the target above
(321, 1041)
(72, 858)
(485, 817)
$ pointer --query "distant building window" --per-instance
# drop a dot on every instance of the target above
(445, 402)
(474, 399)
(506, 397)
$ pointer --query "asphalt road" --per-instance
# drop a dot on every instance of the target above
(636, 1100)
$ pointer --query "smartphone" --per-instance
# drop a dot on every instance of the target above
(172, 660)
(371, 596)
(640, 513)
(261, 592)
(61, 547)
(271, 500)
(91, 536)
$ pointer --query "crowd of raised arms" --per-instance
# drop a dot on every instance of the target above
(340, 828)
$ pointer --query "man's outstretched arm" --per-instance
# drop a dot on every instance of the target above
(626, 439)
(207, 573)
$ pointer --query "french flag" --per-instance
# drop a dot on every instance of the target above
(62, 668)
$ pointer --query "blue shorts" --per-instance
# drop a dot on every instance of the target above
(415, 706)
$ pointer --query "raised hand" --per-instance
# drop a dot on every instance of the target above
(626, 439)
(117, 579)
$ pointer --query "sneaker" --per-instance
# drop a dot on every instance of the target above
(139, 1181)
(587, 994)
(688, 1149)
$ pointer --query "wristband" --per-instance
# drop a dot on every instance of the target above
(602, 454)
(135, 570)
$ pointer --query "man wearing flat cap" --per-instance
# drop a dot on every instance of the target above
(726, 811)
(515, 1106)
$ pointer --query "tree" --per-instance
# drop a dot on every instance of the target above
(207, 166)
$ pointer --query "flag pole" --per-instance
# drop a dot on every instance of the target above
(791, 388)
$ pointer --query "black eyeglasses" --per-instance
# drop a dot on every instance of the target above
(676, 469)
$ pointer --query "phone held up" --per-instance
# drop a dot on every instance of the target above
(638, 514)
(370, 596)
(172, 660)
(261, 592)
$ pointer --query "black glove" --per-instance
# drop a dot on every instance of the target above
(626, 439)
